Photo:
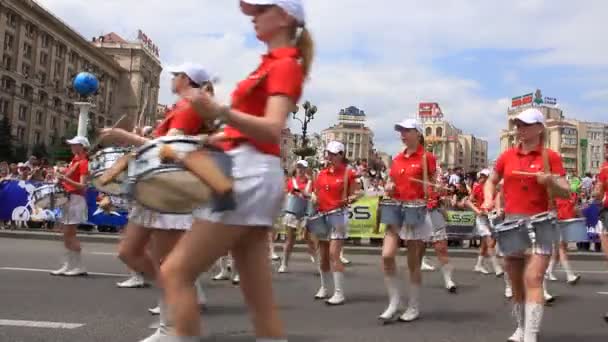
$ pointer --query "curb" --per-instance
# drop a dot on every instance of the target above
(114, 238)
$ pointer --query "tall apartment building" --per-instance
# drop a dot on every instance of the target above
(358, 139)
(41, 54)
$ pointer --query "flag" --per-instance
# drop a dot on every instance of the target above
(526, 99)
(516, 101)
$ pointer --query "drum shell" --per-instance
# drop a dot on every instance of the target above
(296, 205)
(414, 214)
(391, 213)
(573, 230)
(318, 226)
(100, 163)
(512, 237)
(545, 230)
(49, 196)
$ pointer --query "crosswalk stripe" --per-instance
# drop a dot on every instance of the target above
(118, 275)
(39, 324)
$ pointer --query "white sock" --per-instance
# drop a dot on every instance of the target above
(479, 261)
(566, 266)
(392, 288)
(224, 264)
(338, 282)
(545, 292)
(447, 270)
(414, 296)
(495, 264)
(325, 278)
(507, 280)
(165, 323)
(200, 294)
(518, 313)
(551, 266)
(533, 318)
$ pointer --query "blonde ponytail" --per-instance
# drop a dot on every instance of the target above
(307, 50)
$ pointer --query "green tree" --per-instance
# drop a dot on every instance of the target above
(7, 151)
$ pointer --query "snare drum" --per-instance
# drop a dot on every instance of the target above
(573, 230)
(544, 228)
(391, 212)
(50, 196)
(168, 187)
(512, 237)
(120, 203)
(318, 226)
(330, 225)
(296, 206)
(414, 213)
(102, 161)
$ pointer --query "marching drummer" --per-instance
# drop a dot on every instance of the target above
(300, 185)
(75, 211)
(600, 194)
(146, 225)
(566, 210)
(407, 170)
(526, 195)
(335, 188)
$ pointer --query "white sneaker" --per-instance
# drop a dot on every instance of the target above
(322, 293)
(390, 313)
(76, 272)
(313, 260)
(236, 279)
(155, 310)
(508, 292)
(481, 269)
(550, 276)
(411, 314)
(64, 268)
(275, 257)
(426, 267)
(336, 299)
(282, 269)
(518, 336)
(156, 337)
(223, 275)
(573, 280)
(451, 286)
(344, 260)
(136, 281)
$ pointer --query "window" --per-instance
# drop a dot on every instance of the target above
(21, 133)
(22, 113)
(25, 69)
(37, 137)
(4, 104)
(44, 58)
(7, 83)
(11, 19)
(7, 62)
(39, 117)
(45, 40)
(54, 122)
(30, 30)
(58, 68)
(57, 103)
(100, 121)
(428, 131)
(43, 97)
(42, 78)
(73, 57)
(27, 51)
(66, 125)
(27, 91)
(9, 40)
(60, 51)
(439, 131)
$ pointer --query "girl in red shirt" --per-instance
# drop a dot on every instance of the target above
(406, 172)
(329, 189)
(260, 107)
(566, 209)
(144, 224)
(75, 211)
(525, 196)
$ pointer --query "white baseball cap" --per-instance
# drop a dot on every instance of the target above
(485, 172)
(334, 147)
(531, 116)
(79, 140)
(294, 8)
(408, 124)
(195, 72)
(302, 163)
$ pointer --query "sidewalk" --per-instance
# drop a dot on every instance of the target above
(350, 248)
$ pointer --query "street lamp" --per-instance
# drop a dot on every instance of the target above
(309, 114)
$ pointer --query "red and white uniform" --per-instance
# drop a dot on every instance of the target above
(296, 186)
(258, 176)
(602, 177)
(403, 170)
(329, 190)
(482, 224)
(76, 210)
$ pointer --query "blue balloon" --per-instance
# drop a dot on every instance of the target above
(86, 83)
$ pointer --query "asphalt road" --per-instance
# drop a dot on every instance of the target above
(93, 309)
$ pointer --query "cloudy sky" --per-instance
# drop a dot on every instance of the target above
(386, 56)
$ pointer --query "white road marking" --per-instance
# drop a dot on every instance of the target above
(103, 253)
(39, 324)
(603, 293)
(590, 272)
(118, 275)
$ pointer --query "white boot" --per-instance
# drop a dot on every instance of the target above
(548, 297)
(413, 306)
(447, 271)
(155, 310)
(136, 281)
(77, 267)
(571, 277)
(273, 255)
(394, 299)
(479, 266)
(284, 262)
(200, 294)
(496, 265)
(322, 293)
(508, 288)
(425, 266)
(534, 318)
(224, 274)
(236, 278)
(549, 273)
(518, 315)
(66, 265)
(338, 297)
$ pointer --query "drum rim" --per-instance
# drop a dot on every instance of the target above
(194, 140)
(576, 219)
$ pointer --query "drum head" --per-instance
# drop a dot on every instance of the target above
(112, 188)
(46, 202)
(173, 192)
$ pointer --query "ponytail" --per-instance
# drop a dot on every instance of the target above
(306, 45)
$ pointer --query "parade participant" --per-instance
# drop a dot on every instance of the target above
(75, 211)
(335, 188)
(525, 196)
(260, 107)
(566, 209)
(298, 185)
(146, 226)
(408, 167)
(600, 193)
(483, 229)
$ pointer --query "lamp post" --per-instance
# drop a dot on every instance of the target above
(309, 114)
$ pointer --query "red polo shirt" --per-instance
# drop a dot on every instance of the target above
(405, 168)
(602, 177)
(523, 195)
(183, 117)
(80, 165)
(329, 187)
(301, 183)
(477, 194)
(279, 74)
(566, 208)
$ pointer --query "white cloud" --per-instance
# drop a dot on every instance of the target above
(372, 55)
(599, 94)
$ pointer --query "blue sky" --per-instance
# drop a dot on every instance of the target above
(384, 57)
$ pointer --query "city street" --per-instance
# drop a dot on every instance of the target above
(38, 307)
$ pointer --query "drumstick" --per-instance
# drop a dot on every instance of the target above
(202, 166)
(429, 183)
(525, 173)
(119, 166)
(98, 140)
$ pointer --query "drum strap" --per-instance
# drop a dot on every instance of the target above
(547, 169)
(425, 175)
(345, 190)
(294, 183)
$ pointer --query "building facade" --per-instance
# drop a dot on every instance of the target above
(358, 139)
(41, 55)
